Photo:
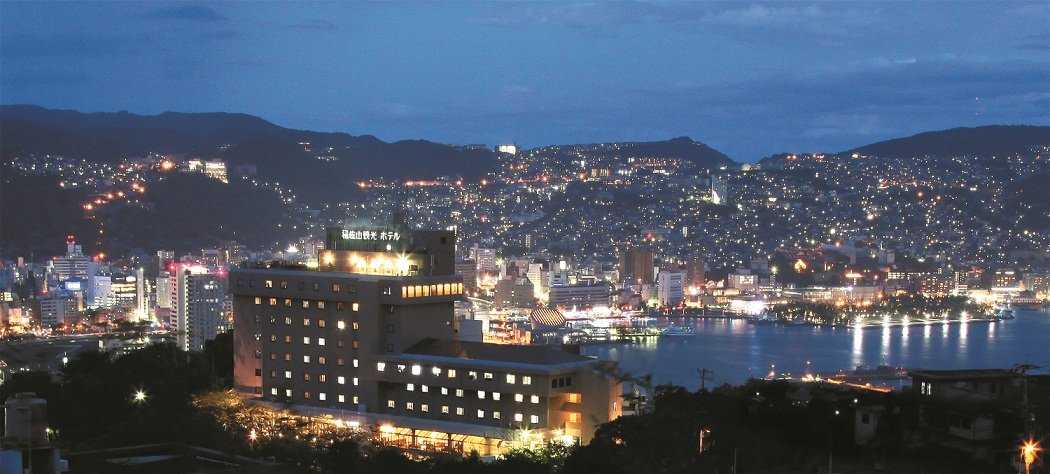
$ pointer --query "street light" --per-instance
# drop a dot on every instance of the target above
(139, 396)
(1029, 452)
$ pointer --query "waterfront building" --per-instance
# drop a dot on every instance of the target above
(197, 306)
(371, 338)
(670, 287)
(636, 265)
(581, 295)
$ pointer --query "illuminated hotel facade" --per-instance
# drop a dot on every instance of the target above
(370, 338)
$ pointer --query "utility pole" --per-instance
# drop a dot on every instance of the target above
(704, 372)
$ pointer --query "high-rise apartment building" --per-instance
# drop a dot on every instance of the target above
(197, 306)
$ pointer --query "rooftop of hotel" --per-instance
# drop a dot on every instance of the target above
(480, 351)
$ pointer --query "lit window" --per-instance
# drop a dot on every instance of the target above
(444, 409)
(355, 380)
(511, 378)
(495, 396)
(356, 400)
(424, 389)
(410, 387)
(354, 307)
(268, 283)
(488, 376)
(380, 366)
(416, 370)
(526, 380)
(258, 300)
(288, 392)
(320, 323)
(273, 302)
(410, 406)
(288, 374)
(481, 394)
(355, 362)
(322, 396)
(321, 360)
(340, 380)
(534, 399)
(390, 404)
(342, 398)
(356, 326)
(287, 320)
(534, 419)
(444, 390)
(320, 341)
(451, 373)
(306, 359)
(273, 391)
(519, 397)
(306, 340)
(436, 371)
(306, 304)
(424, 408)
(518, 417)
(320, 305)
(472, 375)
(459, 411)
(574, 417)
(481, 413)
(574, 398)
(459, 392)
(341, 325)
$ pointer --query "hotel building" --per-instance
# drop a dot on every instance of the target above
(370, 337)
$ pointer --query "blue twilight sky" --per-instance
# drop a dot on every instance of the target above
(750, 79)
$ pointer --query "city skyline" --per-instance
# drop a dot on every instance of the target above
(827, 77)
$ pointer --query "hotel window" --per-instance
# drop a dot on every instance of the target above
(519, 397)
(320, 305)
(339, 361)
(322, 378)
(459, 392)
(268, 283)
(355, 381)
(306, 377)
(340, 306)
(401, 368)
(417, 369)
(534, 398)
(410, 406)
(273, 301)
(258, 300)
(322, 360)
(495, 415)
(481, 394)
(444, 390)
(489, 376)
(390, 404)
(424, 389)
(495, 396)
(306, 321)
(320, 341)
(288, 392)
(444, 409)
(322, 396)
(526, 380)
(518, 417)
(341, 398)
(534, 419)
(273, 356)
(321, 323)
(336, 288)
(306, 304)
(306, 340)
(355, 362)
(355, 400)
(436, 371)
(284, 285)
(354, 307)
(355, 344)
(411, 387)
(574, 417)
(511, 378)
(273, 373)
(451, 373)
(273, 338)
(459, 411)
(481, 414)
(287, 356)
(472, 375)
(306, 359)
(273, 391)
(356, 326)
(340, 380)
(380, 366)
(341, 325)
(287, 339)
(288, 302)
(287, 320)
(288, 374)
(424, 408)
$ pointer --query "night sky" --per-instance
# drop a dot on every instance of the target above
(748, 79)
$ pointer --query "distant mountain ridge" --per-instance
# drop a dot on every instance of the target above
(683, 148)
(988, 140)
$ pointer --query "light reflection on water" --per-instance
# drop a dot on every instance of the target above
(735, 350)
